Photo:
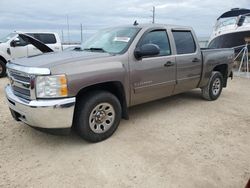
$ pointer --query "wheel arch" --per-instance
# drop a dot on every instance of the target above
(3, 59)
(114, 87)
(3, 66)
(223, 69)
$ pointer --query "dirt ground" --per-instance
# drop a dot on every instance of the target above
(181, 141)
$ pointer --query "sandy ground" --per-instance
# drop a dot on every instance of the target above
(181, 141)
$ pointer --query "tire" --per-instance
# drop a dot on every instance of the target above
(2, 69)
(213, 90)
(97, 116)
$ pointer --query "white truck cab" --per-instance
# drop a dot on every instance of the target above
(12, 46)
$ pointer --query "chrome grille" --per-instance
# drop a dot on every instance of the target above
(20, 78)
(20, 83)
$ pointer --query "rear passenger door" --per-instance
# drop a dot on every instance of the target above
(46, 38)
(50, 40)
(188, 59)
(32, 50)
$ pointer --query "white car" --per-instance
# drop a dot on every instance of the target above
(13, 46)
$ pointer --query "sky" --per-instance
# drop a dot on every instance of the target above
(51, 15)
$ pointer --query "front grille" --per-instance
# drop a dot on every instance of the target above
(20, 91)
(20, 83)
(21, 78)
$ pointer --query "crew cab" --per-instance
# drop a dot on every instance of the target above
(13, 46)
(90, 89)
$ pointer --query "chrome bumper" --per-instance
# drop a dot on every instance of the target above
(48, 114)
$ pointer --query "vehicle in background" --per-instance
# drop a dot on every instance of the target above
(93, 87)
(13, 46)
(203, 42)
(71, 46)
(231, 30)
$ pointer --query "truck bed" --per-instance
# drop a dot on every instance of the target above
(214, 57)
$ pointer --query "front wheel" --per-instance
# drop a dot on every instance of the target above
(97, 116)
(214, 88)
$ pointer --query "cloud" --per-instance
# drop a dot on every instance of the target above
(51, 15)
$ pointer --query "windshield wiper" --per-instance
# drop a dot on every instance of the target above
(95, 49)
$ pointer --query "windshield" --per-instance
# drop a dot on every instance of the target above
(7, 38)
(225, 22)
(229, 21)
(112, 40)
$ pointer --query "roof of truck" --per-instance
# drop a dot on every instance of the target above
(37, 32)
(168, 26)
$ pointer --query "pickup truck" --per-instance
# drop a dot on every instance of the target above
(91, 88)
(13, 46)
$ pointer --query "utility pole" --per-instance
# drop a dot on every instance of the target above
(81, 34)
(62, 36)
(68, 28)
(153, 21)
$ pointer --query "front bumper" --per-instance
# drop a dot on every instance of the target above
(47, 114)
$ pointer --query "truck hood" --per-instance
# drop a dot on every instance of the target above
(3, 45)
(53, 59)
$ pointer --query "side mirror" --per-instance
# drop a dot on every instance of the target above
(147, 50)
(15, 42)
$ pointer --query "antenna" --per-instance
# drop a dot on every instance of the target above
(135, 23)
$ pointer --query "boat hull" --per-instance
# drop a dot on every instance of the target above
(230, 40)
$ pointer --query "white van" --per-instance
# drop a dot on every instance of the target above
(12, 46)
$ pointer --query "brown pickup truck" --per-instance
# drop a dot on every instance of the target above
(91, 88)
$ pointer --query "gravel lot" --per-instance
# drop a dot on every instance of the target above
(181, 141)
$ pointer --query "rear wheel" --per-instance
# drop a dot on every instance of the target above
(97, 116)
(2, 69)
(214, 88)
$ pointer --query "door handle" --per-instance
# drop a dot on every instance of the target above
(195, 60)
(168, 64)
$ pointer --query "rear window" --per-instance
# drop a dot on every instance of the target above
(44, 37)
(184, 42)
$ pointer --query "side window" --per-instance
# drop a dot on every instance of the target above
(158, 38)
(184, 42)
(45, 38)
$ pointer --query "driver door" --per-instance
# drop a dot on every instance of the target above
(154, 77)
(18, 48)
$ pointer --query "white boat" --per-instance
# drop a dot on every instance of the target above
(232, 29)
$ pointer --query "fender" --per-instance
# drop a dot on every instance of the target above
(109, 76)
(5, 56)
(97, 73)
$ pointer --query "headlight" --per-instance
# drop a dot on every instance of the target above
(51, 86)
